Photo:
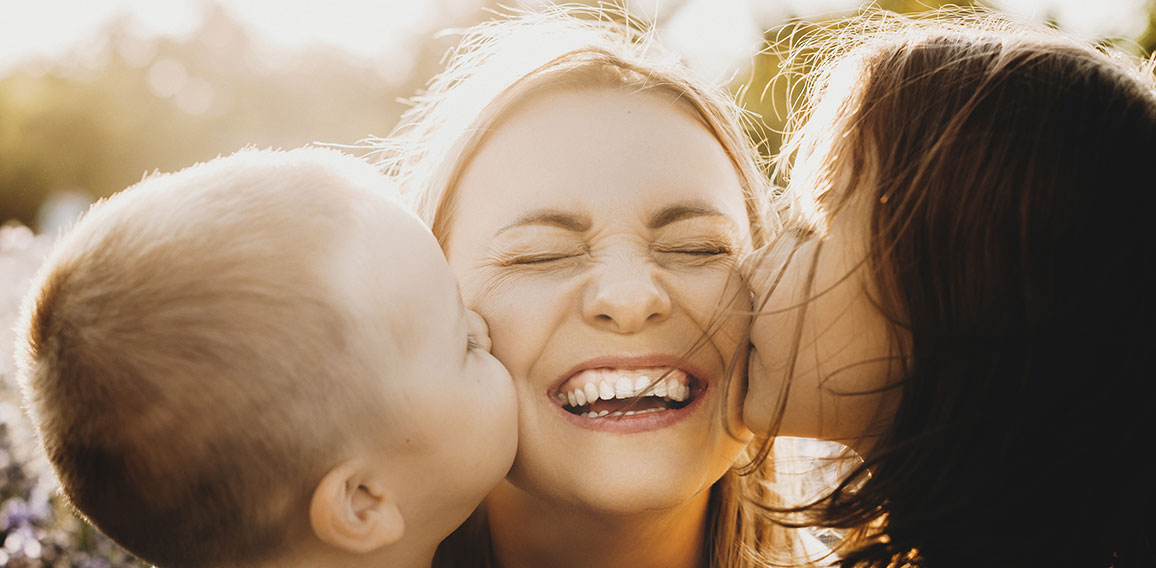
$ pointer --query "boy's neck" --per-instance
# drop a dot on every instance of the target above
(528, 532)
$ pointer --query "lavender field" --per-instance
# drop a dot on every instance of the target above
(36, 526)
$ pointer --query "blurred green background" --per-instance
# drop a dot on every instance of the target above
(95, 95)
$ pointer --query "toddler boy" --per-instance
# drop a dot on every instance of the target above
(263, 361)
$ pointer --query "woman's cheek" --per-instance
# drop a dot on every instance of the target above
(522, 312)
(717, 300)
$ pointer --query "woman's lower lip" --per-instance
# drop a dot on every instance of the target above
(636, 423)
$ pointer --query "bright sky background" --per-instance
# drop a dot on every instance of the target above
(713, 34)
(366, 28)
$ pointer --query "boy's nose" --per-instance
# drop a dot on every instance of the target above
(479, 329)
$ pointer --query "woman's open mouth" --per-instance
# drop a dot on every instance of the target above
(620, 393)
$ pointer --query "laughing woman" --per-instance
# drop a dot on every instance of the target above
(593, 200)
(967, 299)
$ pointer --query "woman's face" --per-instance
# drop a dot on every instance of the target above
(597, 232)
(824, 338)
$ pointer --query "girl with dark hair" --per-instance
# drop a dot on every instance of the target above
(966, 299)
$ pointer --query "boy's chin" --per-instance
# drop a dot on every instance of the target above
(756, 419)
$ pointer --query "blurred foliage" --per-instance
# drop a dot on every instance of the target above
(95, 127)
(769, 93)
(125, 106)
(37, 528)
(771, 89)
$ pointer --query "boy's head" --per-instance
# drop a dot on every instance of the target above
(262, 353)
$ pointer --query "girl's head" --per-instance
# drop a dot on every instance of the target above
(966, 296)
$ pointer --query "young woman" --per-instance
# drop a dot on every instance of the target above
(967, 297)
(593, 198)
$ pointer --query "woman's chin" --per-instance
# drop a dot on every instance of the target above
(626, 474)
(638, 499)
(630, 491)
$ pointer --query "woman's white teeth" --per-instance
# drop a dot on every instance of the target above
(604, 384)
(593, 414)
(605, 391)
(591, 391)
(623, 387)
(659, 389)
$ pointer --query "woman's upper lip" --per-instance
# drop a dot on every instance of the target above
(648, 361)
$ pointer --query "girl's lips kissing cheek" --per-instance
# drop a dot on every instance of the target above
(619, 398)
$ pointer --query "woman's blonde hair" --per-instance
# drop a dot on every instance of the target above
(503, 63)
(1003, 170)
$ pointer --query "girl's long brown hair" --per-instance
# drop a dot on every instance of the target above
(1007, 177)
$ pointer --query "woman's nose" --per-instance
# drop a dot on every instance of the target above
(626, 299)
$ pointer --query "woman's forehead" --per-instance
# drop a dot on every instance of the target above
(589, 150)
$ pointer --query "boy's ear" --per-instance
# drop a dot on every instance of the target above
(353, 510)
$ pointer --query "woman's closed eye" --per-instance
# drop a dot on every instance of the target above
(694, 252)
(542, 258)
(706, 250)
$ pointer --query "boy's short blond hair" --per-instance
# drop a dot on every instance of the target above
(186, 362)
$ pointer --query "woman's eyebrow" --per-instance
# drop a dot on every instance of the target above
(551, 217)
(680, 211)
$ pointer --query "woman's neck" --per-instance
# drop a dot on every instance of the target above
(529, 532)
